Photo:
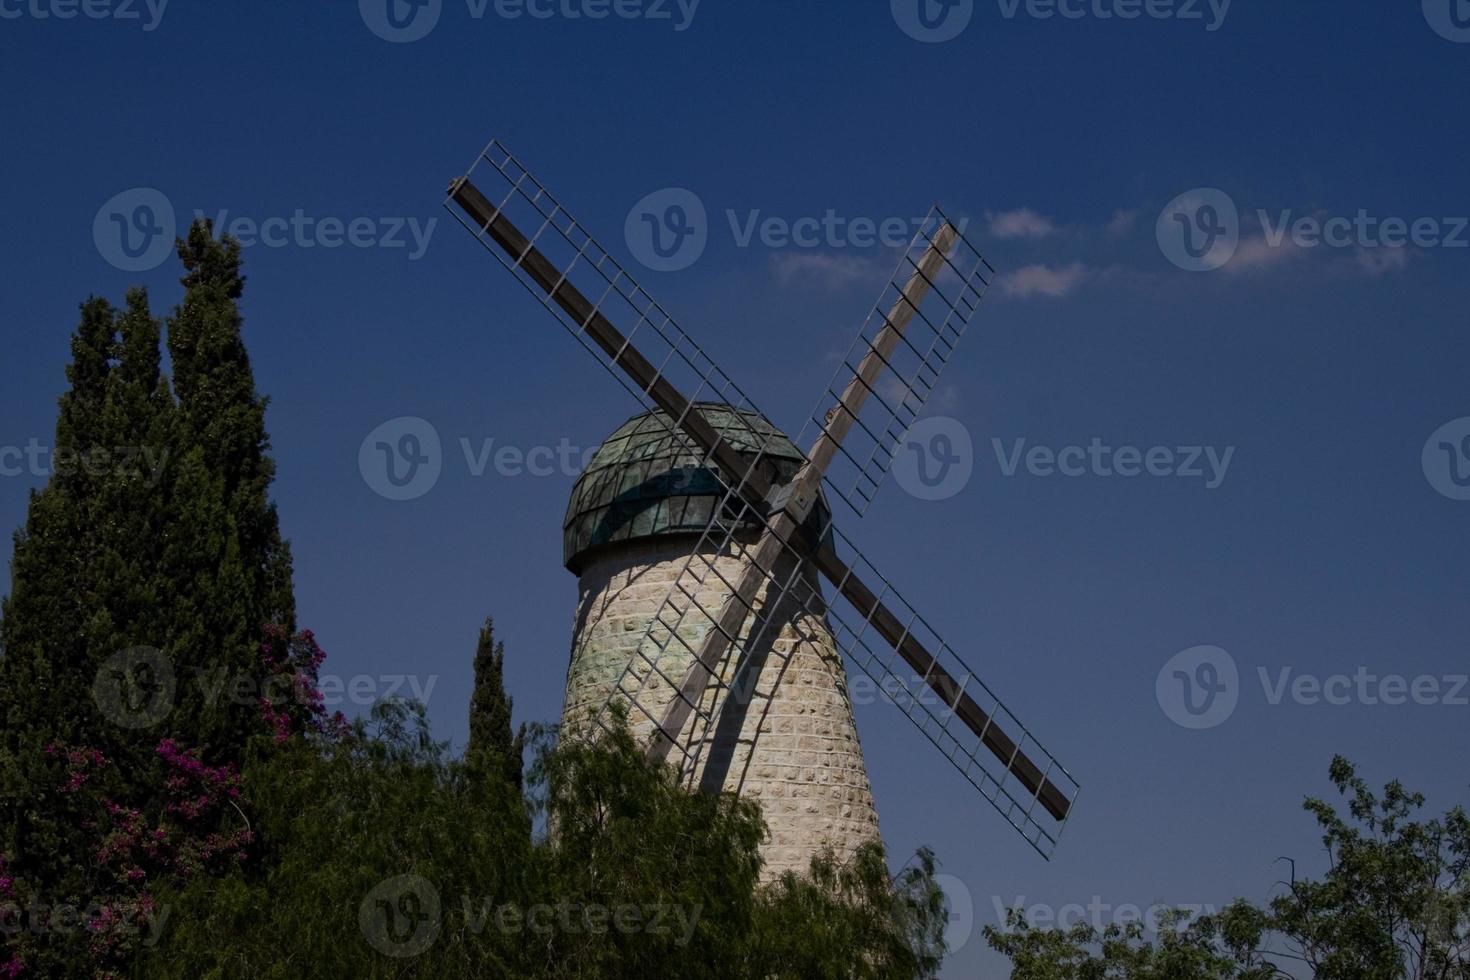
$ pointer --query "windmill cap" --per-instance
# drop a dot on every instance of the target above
(644, 481)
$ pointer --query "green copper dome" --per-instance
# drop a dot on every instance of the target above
(644, 483)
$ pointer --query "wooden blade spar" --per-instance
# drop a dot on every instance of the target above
(777, 535)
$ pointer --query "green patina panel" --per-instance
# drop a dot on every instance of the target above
(646, 482)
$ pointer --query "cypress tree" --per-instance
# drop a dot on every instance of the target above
(141, 418)
(494, 746)
(51, 628)
(227, 567)
(171, 544)
(52, 584)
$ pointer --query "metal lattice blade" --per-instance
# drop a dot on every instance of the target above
(799, 496)
(874, 627)
(561, 264)
(925, 678)
(529, 232)
(729, 590)
(895, 362)
(746, 574)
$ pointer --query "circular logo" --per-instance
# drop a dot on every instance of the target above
(135, 688)
(134, 231)
(1449, 18)
(961, 926)
(1447, 459)
(1199, 230)
(1199, 688)
(933, 21)
(401, 917)
(401, 21)
(402, 458)
(935, 458)
(667, 230)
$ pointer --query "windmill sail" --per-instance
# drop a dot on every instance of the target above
(921, 675)
(799, 496)
(911, 666)
(528, 231)
(588, 291)
(898, 355)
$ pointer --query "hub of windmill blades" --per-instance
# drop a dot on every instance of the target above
(858, 426)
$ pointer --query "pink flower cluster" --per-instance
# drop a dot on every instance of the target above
(111, 924)
(297, 660)
(201, 827)
(279, 721)
(184, 840)
(197, 789)
(130, 839)
(78, 762)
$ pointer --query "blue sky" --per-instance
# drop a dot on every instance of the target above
(1333, 545)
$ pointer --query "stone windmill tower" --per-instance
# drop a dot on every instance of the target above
(635, 515)
(719, 600)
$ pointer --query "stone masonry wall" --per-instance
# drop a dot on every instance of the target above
(806, 767)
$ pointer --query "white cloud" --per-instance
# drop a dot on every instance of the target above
(1021, 223)
(1122, 222)
(1044, 280)
(898, 394)
(1258, 254)
(830, 271)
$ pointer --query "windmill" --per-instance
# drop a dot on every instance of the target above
(768, 539)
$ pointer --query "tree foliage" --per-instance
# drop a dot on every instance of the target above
(150, 572)
(495, 745)
(1393, 904)
(388, 858)
(897, 924)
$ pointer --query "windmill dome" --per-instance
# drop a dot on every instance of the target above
(644, 482)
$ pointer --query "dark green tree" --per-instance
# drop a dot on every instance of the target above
(1185, 949)
(336, 822)
(624, 832)
(897, 923)
(154, 535)
(47, 616)
(494, 745)
(85, 586)
(390, 860)
(227, 567)
(1393, 904)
